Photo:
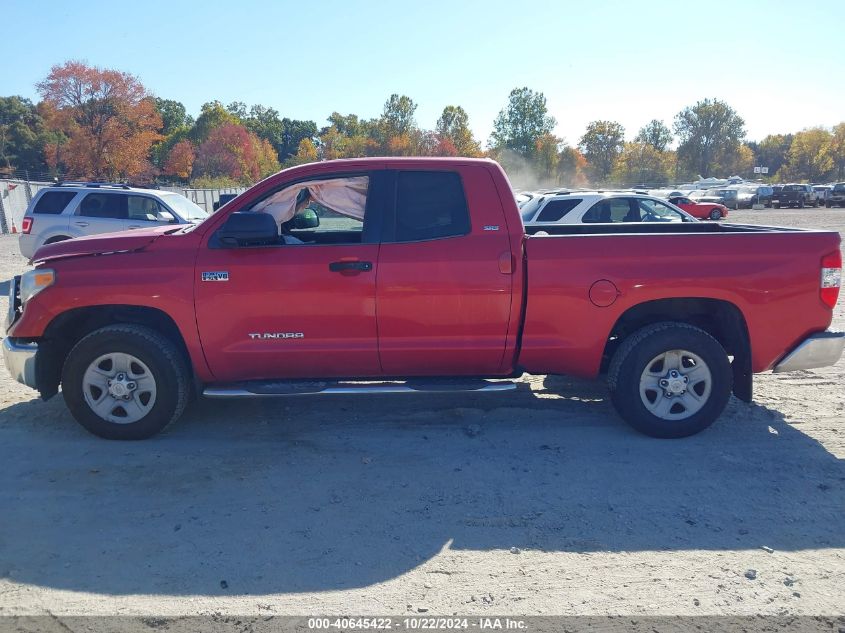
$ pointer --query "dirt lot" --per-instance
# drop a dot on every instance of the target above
(537, 502)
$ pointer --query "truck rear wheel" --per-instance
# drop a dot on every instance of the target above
(670, 380)
(125, 382)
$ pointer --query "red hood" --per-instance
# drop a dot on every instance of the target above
(101, 244)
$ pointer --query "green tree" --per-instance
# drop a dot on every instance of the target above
(453, 127)
(601, 144)
(521, 123)
(656, 134)
(22, 135)
(173, 115)
(707, 131)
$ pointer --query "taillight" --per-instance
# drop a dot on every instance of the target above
(831, 278)
(26, 226)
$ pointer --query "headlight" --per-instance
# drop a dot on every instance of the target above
(35, 281)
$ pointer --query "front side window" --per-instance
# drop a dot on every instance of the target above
(104, 205)
(430, 205)
(328, 210)
(53, 202)
(147, 210)
(656, 211)
(612, 210)
(557, 209)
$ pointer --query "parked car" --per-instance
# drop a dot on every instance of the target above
(795, 195)
(595, 207)
(836, 196)
(69, 210)
(822, 192)
(391, 275)
(750, 195)
(701, 210)
(726, 197)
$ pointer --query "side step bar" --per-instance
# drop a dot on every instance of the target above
(258, 389)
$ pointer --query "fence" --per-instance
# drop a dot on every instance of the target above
(17, 193)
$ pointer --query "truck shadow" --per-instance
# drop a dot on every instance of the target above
(315, 494)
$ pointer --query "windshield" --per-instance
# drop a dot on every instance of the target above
(839, 187)
(530, 208)
(184, 207)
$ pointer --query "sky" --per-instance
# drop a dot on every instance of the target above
(778, 64)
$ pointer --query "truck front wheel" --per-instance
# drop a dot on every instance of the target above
(670, 380)
(125, 382)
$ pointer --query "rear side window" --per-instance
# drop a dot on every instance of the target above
(103, 205)
(53, 202)
(430, 205)
(556, 209)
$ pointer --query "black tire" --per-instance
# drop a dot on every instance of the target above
(640, 349)
(801, 203)
(776, 205)
(827, 205)
(159, 354)
(715, 214)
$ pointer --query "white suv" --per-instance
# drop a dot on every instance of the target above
(598, 207)
(69, 210)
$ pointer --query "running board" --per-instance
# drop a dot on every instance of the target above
(262, 388)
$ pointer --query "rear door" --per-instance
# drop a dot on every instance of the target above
(100, 212)
(444, 277)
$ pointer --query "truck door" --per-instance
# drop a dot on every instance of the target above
(303, 308)
(444, 275)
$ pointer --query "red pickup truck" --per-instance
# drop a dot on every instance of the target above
(416, 275)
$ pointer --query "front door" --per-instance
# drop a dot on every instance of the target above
(304, 308)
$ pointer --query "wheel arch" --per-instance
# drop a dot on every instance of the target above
(66, 329)
(722, 319)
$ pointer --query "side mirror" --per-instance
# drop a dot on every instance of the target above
(246, 228)
(308, 219)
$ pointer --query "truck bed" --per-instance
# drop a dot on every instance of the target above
(639, 228)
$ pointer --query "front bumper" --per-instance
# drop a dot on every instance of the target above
(819, 350)
(20, 360)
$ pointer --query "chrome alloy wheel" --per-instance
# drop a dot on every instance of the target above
(675, 385)
(119, 388)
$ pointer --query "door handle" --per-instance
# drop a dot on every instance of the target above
(81, 224)
(339, 267)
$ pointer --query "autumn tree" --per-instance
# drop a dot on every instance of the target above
(837, 151)
(173, 115)
(772, 151)
(521, 123)
(641, 163)
(572, 168)
(212, 115)
(107, 116)
(656, 134)
(236, 153)
(809, 156)
(601, 144)
(453, 133)
(707, 131)
(180, 160)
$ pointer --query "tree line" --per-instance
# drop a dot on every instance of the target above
(95, 123)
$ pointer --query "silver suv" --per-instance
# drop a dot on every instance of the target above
(598, 207)
(75, 209)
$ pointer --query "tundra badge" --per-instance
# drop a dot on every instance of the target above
(218, 275)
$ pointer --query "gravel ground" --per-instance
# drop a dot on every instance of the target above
(536, 502)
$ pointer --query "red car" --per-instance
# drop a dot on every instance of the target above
(701, 210)
(392, 275)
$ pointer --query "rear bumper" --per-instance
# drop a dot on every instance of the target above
(819, 350)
